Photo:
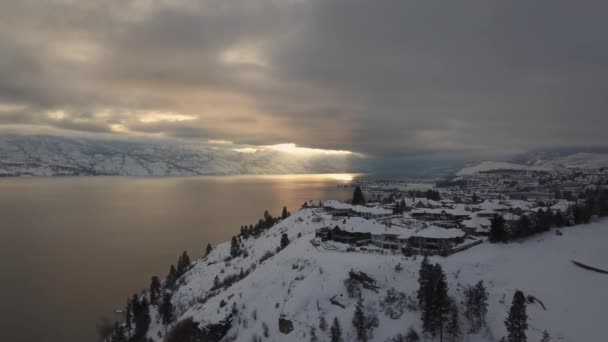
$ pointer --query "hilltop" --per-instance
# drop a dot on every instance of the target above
(304, 282)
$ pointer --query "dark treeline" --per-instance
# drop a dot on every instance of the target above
(430, 194)
(264, 223)
(137, 312)
(593, 204)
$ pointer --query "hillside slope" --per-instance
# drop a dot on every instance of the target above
(299, 282)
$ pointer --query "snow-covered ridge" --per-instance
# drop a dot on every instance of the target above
(581, 160)
(300, 283)
(493, 166)
(41, 155)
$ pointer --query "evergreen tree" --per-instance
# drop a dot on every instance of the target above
(423, 279)
(313, 334)
(498, 232)
(285, 213)
(141, 317)
(284, 241)
(559, 219)
(336, 331)
(322, 324)
(517, 321)
(128, 317)
(119, 333)
(154, 290)
(476, 305)
(358, 198)
(183, 264)
(453, 326)
(235, 247)
(359, 321)
(171, 277)
(433, 298)
(166, 309)
(523, 227)
(208, 249)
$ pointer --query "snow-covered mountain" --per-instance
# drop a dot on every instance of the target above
(43, 155)
(492, 166)
(298, 285)
(541, 162)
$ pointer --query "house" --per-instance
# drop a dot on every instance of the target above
(436, 240)
(476, 225)
(370, 212)
(356, 238)
(393, 238)
(439, 214)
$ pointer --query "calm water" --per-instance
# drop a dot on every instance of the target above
(73, 249)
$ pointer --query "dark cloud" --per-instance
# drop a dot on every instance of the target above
(388, 78)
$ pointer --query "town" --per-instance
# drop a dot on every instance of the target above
(449, 216)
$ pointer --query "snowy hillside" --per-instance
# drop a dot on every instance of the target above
(304, 282)
(52, 156)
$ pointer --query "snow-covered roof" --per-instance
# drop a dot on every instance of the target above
(373, 210)
(361, 225)
(478, 223)
(333, 204)
(434, 232)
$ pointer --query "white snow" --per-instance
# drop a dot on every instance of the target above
(299, 281)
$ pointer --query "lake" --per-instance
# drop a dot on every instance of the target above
(73, 249)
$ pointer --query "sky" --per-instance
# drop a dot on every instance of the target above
(378, 78)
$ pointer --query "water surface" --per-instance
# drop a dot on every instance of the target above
(73, 249)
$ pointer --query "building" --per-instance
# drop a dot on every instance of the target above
(436, 240)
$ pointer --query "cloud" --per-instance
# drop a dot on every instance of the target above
(387, 78)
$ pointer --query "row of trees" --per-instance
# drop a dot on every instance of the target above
(594, 204)
(439, 312)
(264, 223)
(137, 313)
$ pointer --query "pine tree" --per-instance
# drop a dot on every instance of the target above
(141, 317)
(284, 241)
(481, 299)
(358, 198)
(433, 299)
(166, 309)
(208, 249)
(322, 324)
(154, 290)
(128, 316)
(517, 321)
(498, 232)
(453, 326)
(336, 331)
(359, 321)
(285, 213)
(313, 334)
(476, 305)
(183, 264)
(235, 247)
(171, 277)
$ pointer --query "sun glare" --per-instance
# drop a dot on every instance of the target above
(294, 149)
